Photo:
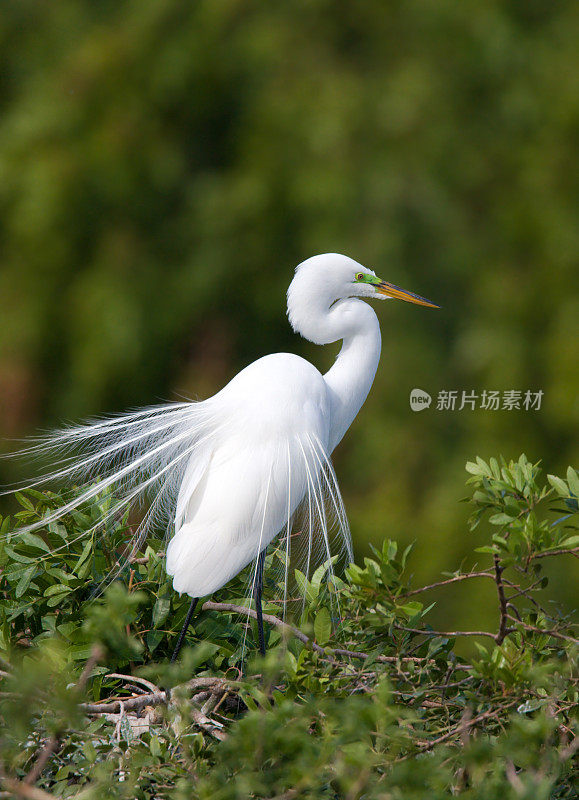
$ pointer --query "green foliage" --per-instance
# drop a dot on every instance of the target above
(372, 704)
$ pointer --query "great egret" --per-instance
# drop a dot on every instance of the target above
(233, 471)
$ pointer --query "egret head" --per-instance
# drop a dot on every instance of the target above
(335, 277)
(318, 306)
(368, 284)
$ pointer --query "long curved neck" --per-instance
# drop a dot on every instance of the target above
(351, 377)
(322, 321)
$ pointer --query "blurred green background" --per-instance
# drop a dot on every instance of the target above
(165, 165)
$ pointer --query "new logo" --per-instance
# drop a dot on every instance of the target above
(419, 400)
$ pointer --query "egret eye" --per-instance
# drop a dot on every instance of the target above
(360, 276)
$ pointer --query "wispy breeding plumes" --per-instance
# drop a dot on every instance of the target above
(156, 461)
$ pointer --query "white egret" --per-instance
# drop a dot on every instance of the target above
(231, 472)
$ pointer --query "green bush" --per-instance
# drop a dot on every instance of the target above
(357, 697)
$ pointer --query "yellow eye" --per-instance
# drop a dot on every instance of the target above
(360, 276)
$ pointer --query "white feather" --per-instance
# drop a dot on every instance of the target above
(227, 474)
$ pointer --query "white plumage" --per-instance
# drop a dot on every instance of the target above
(229, 473)
(253, 474)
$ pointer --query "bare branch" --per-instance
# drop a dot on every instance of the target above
(24, 790)
(570, 750)
(50, 747)
(466, 724)
(526, 593)
(53, 743)
(545, 632)
(450, 634)
(211, 726)
(211, 606)
(145, 559)
(563, 551)
(513, 778)
(218, 685)
(134, 679)
(454, 579)
(503, 629)
(249, 612)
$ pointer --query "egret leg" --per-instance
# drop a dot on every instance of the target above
(186, 624)
(258, 592)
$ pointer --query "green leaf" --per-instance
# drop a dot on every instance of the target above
(153, 640)
(24, 581)
(322, 626)
(570, 542)
(501, 519)
(89, 752)
(559, 485)
(34, 540)
(318, 576)
(154, 746)
(16, 556)
(24, 501)
(83, 564)
(304, 587)
(80, 652)
(573, 480)
(161, 611)
(59, 588)
(56, 599)
(473, 468)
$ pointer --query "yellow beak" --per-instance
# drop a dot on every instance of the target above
(390, 290)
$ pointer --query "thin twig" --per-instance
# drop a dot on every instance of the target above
(134, 679)
(250, 612)
(130, 704)
(526, 593)
(450, 634)
(221, 700)
(466, 724)
(145, 559)
(209, 725)
(548, 632)
(454, 579)
(25, 790)
(563, 551)
(51, 746)
(503, 629)
(513, 778)
(53, 743)
(338, 651)
(211, 606)
(463, 728)
(570, 750)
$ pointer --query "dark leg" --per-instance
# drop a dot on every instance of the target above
(186, 624)
(258, 592)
